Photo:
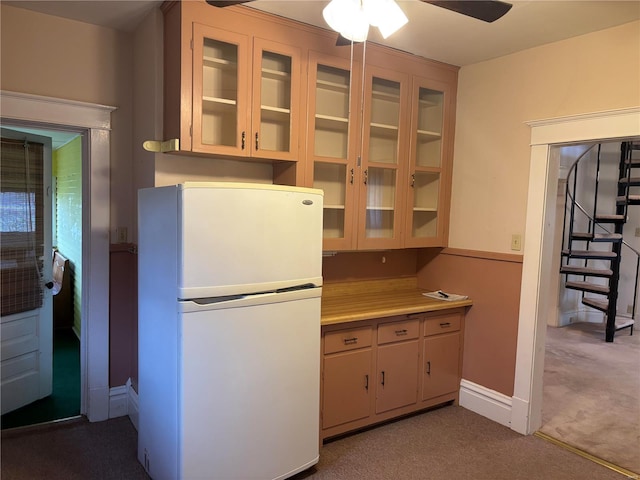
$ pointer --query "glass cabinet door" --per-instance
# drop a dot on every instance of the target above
(220, 91)
(276, 104)
(382, 160)
(332, 146)
(425, 222)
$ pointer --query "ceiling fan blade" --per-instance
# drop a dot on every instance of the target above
(226, 3)
(487, 11)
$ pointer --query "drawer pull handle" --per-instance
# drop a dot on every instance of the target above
(243, 139)
(366, 382)
(401, 332)
(383, 378)
(429, 367)
(351, 341)
(445, 324)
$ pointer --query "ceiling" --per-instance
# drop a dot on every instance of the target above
(59, 138)
(432, 32)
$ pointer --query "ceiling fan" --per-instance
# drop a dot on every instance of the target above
(485, 10)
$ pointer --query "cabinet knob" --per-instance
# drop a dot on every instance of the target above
(445, 324)
(413, 180)
(350, 341)
(366, 382)
(351, 179)
(366, 176)
(429, 367)
(242, 142)
(383, 378)
(257, 143)
(401, 332)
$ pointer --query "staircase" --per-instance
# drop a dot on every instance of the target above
(593, 240)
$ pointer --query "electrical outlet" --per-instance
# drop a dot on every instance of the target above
(121, 234)
(516, 242)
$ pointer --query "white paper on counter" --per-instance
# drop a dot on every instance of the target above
(450, 297)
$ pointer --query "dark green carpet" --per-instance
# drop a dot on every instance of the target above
(64, 402)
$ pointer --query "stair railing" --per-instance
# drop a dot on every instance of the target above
(570, 200)
(624, 243)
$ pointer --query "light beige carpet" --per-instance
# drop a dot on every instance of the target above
(591, 396)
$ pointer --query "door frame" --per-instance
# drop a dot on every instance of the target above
(536, 297)
(95, 120)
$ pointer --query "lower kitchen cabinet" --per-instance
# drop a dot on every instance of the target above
(346, 388)
(397, 365)
(375, 370)
(346, 376)
(442, 350)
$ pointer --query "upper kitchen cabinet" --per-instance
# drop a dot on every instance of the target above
(428, 195)
(232, 83)
(332, 144)
(384, 157)
(220, 107)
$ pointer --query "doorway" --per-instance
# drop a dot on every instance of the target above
(590, 386)
(536, 296)
(64, 319)
(47, 112)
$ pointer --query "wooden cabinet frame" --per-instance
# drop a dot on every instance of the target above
(440, 201)
(344, 208)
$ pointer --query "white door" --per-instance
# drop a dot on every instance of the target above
(26, 320)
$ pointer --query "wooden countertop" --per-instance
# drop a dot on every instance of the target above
(363, 300)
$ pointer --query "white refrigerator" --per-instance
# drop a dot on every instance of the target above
(229, 287)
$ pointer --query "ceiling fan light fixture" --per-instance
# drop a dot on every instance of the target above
(334, 14)
(392, 17)
(351, 18)
(357, 25)
(346, 17)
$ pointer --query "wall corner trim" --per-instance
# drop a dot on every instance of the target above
(132, 405)
(520, 416)
(486, 402)
(118, 401)
(123, 401)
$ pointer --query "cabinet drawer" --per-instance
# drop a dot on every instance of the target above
(397, 331)
(441, 324)
(344, 340)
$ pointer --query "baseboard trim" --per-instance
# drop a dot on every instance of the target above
(486, 402)
(132, 405)
(123, 400)
(118, 401)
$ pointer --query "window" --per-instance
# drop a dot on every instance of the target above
(21, 226)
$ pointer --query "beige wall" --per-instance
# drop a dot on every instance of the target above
(51, 56)
(492, 282)
(595, 72)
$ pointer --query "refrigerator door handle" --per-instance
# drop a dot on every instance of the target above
(235, 301)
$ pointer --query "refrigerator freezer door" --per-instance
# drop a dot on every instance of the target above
(246, 238)
(249, 395)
